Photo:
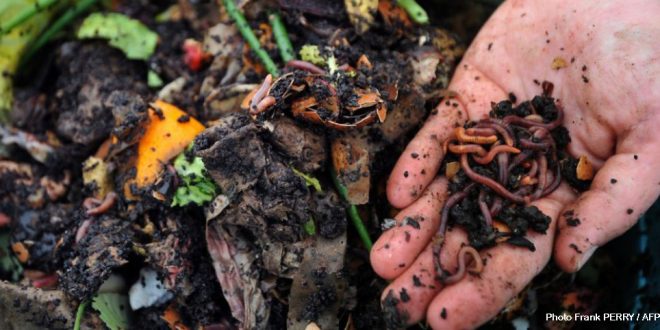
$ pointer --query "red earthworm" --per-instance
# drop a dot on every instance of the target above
(48, 281)
(521, 157)
(483, 160)
(260, 93)
(451, 201)
(82, 230)
(264, 104)
(503, 167)
(460, 134)
(539, 132)
(555, 182)
(4, 220)
(467, 148)
(460, 273)
(513, 119)
(543, 169)
(503, 130)
(488, 182)
(104, 206)
(533, 168)
(496, 207)
(304, 65)
(481, 131)
(484, 208)
(534, 145)
(439, 238)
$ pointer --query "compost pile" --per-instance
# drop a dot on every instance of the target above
(163, 169)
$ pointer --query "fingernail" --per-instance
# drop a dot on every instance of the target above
(586, 255)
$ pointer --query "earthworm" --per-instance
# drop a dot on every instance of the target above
(539, 132)
(521, 157)
(439, 238)
(265, 103)
(4, 220)
(481, 131)
(463, 137)
(451, 201)
(543, 169)
(304, 65)
(555, 182)
(503, 167)
(488, 182)
(261, 93)
(533, 169)
(82, 230)
(496, 207)
(476, 268)
(483, 160)
(529, 144)
(512, 119)
(484, 208)
(104, 206)
(504, 131)
(467, 148)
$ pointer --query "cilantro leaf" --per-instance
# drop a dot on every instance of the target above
(309, 180)
(9, 265)
(129, 35)
(196, 186)
(113, 309)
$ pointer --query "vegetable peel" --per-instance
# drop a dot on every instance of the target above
(166, 136)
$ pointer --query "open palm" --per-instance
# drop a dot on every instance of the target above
(604, 60)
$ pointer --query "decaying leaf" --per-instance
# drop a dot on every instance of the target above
(351, 160)
(584, 170)
(451, 169)
(361, 13)
(317, 289)
(558, 63)
(96, 174)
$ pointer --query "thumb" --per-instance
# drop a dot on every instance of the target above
(622, 190)
(471, 94)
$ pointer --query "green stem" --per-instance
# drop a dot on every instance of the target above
(61, 22)
(281, 37)
(26, 14)
(414, 10)
(249, 36)
(352, 212)
(79, 314)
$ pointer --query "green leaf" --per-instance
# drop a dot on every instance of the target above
(127, 34)
(9, 265)
(310, 227)
(309, 180)
(196, 186)
(332, 64)
(312, 54)
(14, 43)
(153, 80)
(114, 310)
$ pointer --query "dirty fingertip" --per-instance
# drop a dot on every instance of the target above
(414, 171)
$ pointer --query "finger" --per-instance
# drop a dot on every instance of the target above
(405, 300)
(397, 248)
(475, 300)
(622, 190)
(421, 159)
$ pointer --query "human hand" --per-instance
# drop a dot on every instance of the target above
(610, 92)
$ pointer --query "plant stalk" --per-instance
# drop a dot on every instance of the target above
(281, 37)
(249, 36)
